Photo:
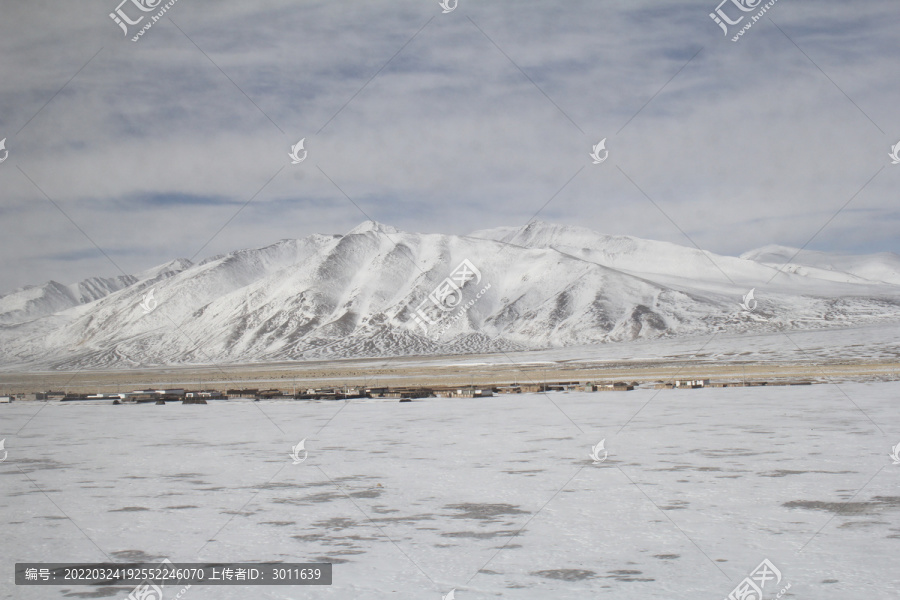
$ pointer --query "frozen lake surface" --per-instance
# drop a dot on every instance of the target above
(495, 497)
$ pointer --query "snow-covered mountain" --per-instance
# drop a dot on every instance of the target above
(356, 295)
(35, 301)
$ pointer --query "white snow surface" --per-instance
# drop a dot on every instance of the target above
(884, 266)
(495, 498)
(354, 295)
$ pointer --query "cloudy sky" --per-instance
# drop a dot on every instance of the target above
(177, 145)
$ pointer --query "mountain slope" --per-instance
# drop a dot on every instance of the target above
(357, 295)
(665, 261)
(883, 267)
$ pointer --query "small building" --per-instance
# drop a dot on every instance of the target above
(205, 395)
(322, 394)
(168, 394)
(464, 393)
(554, 386)
(691, 383)
(140, 397)
(407, 393)
(508, 389)
(561, 386)
(619, 386)
(326, 394)
(533, 387)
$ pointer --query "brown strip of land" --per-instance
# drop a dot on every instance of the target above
(427, 372)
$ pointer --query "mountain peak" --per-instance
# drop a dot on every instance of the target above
(374, 226)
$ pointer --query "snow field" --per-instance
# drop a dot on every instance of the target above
(494, 497)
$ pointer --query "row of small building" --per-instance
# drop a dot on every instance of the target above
(705, 383)
(136, 396)
(160, 396)
(481, 392)
(333, 393)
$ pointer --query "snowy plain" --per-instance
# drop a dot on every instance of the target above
(494, 497)
(856, 345)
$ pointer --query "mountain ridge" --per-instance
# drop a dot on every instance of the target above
(366, 293)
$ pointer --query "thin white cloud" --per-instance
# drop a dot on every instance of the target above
(749, 144)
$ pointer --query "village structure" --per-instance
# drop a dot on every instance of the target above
(403, 394)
